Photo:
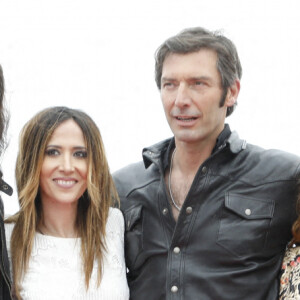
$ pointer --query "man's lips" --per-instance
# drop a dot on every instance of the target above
(186, 119)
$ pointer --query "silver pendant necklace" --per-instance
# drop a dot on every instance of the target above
(170, 190)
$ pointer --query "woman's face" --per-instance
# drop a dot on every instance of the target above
(63, 177)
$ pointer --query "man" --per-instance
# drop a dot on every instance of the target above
(5, 283)
(207, 215)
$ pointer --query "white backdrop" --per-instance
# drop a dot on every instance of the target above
(99, 56)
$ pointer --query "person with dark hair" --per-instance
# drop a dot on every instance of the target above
(5, 282)
(290, 272)
(207, 215)
(66, 241)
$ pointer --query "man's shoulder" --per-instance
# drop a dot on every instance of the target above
(274, 162)
(134, 176)
(281, 157)
(142, 173)
(259, 165)
(131, 168)
(237, 145)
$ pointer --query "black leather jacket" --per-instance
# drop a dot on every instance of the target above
(5, 281)
(231, 233)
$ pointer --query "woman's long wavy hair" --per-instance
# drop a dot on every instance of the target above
(296, 226)
(93, 206)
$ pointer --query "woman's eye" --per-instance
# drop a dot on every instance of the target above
(81, 154)
(52, 152)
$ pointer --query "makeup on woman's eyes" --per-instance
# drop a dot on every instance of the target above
(52, 152)
(79, 152)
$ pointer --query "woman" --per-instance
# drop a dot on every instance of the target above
(290, 277)
(5, 284)
(65, 241)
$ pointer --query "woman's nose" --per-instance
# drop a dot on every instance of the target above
(67, 164)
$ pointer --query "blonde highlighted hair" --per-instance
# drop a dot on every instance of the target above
(93, 206)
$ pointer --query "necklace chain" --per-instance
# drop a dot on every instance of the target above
(170, 190)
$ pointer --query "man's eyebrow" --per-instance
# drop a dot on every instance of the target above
(205, 78)
(167, 79)
(190, 78)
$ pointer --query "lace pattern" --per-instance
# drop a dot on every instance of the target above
(55, 268)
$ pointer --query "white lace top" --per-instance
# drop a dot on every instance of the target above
(55, 267)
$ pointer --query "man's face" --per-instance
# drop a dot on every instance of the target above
(191, 92)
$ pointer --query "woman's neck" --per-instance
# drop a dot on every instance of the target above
(58, 220)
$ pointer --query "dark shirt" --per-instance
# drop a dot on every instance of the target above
(232, 230)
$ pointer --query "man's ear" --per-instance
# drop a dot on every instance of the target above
(232, 93)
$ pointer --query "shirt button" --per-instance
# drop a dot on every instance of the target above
(189, 210)
(174, 289)
(176, 250)
(248, 211)
(5, 187)
(204, 170)
(165, 211)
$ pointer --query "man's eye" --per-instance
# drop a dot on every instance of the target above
(81, 154)
(199, 83)
(52, 152)
(168, 84)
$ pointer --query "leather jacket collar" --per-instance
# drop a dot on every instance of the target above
(152, 154)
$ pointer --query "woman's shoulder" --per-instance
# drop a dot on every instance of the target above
(115, 214)
(292, 254)
(291, 260)
(115, 219)
(290, 273)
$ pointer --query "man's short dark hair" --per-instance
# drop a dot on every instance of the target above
(192, 40)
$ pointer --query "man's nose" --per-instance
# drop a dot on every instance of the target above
(182, 96)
